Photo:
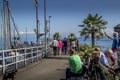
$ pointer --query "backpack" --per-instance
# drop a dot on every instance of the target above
(115, 43)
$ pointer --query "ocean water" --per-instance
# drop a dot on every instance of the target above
(29, 38)
(104, 42)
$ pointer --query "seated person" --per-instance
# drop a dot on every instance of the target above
(76, 67)
(104, 61)
(110, 56)
(94, 68)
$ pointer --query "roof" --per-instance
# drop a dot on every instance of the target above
(117, 28)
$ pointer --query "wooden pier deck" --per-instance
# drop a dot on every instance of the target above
(51, 68)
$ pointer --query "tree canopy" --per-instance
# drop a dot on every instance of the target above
(92, 27)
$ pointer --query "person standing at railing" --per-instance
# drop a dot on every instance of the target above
(55, 47)
(73, 45)
(115, 43)
(60, 45)
(65, 46)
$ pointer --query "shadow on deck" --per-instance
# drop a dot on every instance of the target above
(58, 57)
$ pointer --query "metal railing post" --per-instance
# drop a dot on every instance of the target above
(16, 59)
(43, 51)
(25, 50)
(32, 54)
(3, 57)
(37, 54)
(38, 51)
(48, 49)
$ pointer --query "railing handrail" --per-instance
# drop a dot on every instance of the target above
(15, 56)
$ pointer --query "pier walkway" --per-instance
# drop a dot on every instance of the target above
(51, 68)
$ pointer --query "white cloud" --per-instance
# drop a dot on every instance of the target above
(27, 32)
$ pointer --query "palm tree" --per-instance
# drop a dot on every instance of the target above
(56, 35)
(93, 25)
(72, 37)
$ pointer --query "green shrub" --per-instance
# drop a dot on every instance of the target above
(85, 51)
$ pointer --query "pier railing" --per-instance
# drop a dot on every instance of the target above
(17, 58)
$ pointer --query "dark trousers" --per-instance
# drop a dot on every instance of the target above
(55, 50)
(65, 49)
(70, 74)
(116, 70)
(96, 72)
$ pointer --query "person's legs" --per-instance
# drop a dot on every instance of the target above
(99, 72)
(55, 50)
(68, 75)
(116, 57)
(60, 51)
(65, 50)
(84, 70)
(116, 70)
(113, 73)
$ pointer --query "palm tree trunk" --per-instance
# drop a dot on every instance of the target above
(93, 39)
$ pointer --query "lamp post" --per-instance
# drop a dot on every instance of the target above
(49, 26)
(45, 30)
(37, 21)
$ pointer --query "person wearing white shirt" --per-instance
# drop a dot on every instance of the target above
(55, 47)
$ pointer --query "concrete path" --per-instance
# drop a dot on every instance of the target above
(52, 68)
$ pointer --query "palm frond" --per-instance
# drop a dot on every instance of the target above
(86, 37)
(93, 24)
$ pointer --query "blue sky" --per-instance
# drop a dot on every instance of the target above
(66, 14)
